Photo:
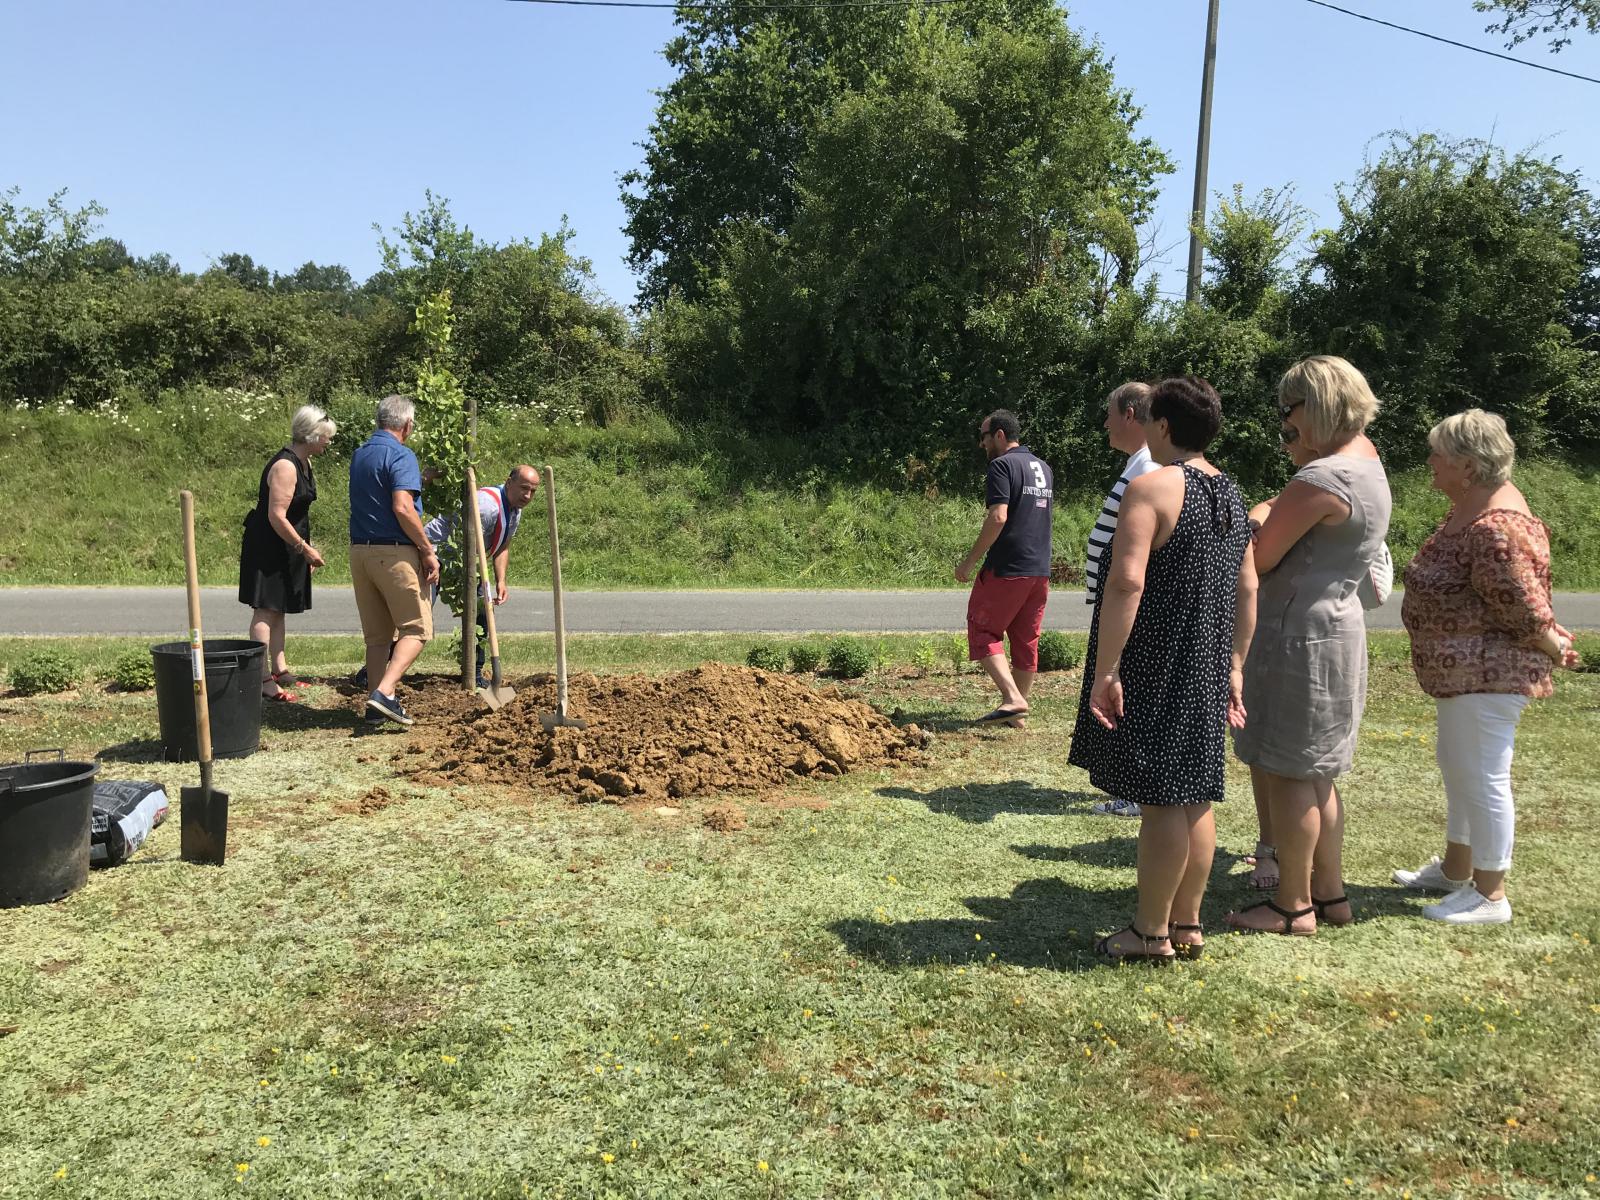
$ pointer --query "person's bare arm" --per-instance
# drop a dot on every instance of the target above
(993, 522)
(1137, 524)
(1244, 629)
(405, 512)
(1301, 507)
(500, 561)
(280, 493)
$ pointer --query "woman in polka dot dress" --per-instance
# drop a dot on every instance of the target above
(1171, 627)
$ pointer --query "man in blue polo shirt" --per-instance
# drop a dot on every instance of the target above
(392, 563)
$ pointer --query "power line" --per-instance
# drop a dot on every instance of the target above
(1521, 62)
(702, 7)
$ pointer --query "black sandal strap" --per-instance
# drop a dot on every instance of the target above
(1289, 918)
(1175, 927)
(1319, 905)
(1103, 946)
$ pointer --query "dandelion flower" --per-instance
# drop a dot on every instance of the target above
(263, 1141)
(1194, 1132)
(448, 1059)
(241, 1167)
(608, 1158)
(1513, 1123)
(977, 937)
(762, 1165)
(61, 1173)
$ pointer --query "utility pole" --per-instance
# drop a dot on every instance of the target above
(1202, 155)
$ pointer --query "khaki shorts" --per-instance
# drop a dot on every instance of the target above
(389, 593)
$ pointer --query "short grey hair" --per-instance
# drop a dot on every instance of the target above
(1132, 397)
(1481, 439)
(311, 426)
(395, 411)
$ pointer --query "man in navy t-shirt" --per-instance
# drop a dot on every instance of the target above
(1009, 594)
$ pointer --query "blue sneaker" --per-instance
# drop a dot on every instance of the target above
(359, 679)
(389, 707)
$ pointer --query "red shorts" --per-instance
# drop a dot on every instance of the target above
(1002, 606)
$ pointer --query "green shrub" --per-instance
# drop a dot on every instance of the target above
(134, 671)
(764, 656)
(924, 655)
(804, 657)
(45, 671)
(955, 652)
(1056, 651)
(848, 658)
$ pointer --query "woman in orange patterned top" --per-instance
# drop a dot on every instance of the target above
(1483, 642)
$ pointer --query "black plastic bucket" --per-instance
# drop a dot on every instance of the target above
(233, 693)
(44, 830)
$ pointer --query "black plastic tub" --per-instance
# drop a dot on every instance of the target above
(233, 693)
(44, 830)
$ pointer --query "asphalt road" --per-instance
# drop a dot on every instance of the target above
(155, 612)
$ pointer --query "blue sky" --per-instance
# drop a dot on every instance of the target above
(285, 130)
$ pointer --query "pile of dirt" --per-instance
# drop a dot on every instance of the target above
(692, 733)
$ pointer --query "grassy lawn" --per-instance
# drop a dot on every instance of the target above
(878, 987)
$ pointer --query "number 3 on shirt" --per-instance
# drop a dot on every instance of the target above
(1038, 473)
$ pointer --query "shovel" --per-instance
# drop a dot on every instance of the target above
(203, 836)
(559, 718)
(497, 693)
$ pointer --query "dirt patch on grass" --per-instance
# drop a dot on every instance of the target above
(694, 733)
(724, 818)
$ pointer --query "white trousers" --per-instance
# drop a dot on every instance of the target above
(1476, 737)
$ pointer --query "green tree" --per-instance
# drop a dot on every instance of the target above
(952, 219)
(1525, 20)
(242, 270)
(1448, 281)
(46, 244)
(1247, 250)
(312, 277)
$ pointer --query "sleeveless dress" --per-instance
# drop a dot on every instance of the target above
(1305, 680)
(270, 576)
(1169, 746)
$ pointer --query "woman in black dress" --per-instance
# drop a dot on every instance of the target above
(1172, 622)
(276, 558)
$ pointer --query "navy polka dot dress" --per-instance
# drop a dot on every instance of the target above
(1168, 748)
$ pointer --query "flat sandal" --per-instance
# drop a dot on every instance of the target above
(1322, 907)
(1103, 948)
(1188, 950)
(1289, 918)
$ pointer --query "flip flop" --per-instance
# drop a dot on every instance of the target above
(282, 696)
(286, 679)
(1001, 714)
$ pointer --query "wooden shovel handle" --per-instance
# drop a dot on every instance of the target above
(191, 571)
(555, 589)
(481, 557)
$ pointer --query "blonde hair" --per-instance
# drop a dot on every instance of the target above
(1337, 400)
(311, 426)
(1480, 438)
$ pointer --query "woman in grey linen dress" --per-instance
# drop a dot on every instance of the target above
(1305, 679)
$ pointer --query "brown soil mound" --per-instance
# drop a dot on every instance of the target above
(692, 733)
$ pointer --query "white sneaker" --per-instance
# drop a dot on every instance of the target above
(1115, 808)
(1469, 906)
(1429, 877)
